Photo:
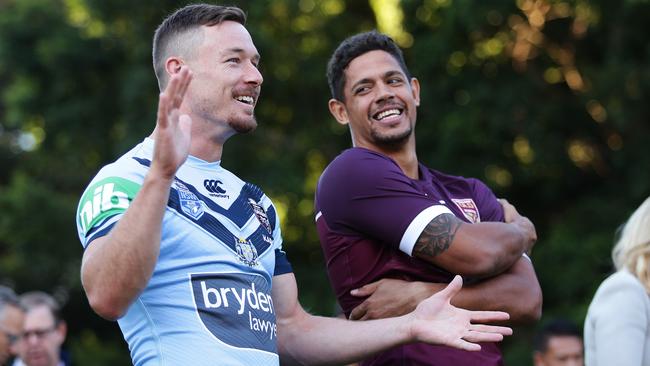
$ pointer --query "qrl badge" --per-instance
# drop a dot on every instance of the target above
(261, 215)
(246, 252)
(468, 208)
(189, 202)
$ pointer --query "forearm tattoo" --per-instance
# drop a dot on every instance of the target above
(437, 236)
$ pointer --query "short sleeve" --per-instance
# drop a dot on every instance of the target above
(489, 207)
(366, 194)
(101, 206)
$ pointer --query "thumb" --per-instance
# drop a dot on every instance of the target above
(366, 290)
(452, 288)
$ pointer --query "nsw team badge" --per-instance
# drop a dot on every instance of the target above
(246, 252)
(189, 202)
(261, 215)
(469, 209)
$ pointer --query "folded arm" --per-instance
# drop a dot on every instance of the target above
(308, 339)
(474, 250)
(515, 291)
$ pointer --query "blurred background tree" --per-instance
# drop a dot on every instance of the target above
(545, 100)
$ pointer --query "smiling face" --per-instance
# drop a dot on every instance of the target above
(380, 102)
(226, 83)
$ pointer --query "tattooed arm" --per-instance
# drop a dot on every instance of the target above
(476, 250)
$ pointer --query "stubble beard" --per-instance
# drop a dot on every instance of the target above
(243, 126)
(391, 141)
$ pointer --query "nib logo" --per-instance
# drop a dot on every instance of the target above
(104, 199)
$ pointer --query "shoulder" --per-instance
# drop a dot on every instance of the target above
(622, 282)
(359, 162)
(619, 292)
(359, 170)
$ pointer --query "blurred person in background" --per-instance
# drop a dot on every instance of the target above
(617, 328)
(11, 324)
(558, 343)
(43, 332)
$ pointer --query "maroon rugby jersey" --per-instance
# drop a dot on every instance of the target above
(368, 216)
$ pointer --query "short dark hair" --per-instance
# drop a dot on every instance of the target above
(353, 47)
(555, 328)
(30, 300)
(182, 21)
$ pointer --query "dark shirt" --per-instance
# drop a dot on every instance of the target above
(368, 216)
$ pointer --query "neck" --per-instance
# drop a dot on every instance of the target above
(207, 139)
(405, 156)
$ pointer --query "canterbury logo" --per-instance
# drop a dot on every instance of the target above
(212, 185)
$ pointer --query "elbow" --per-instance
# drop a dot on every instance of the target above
(105, 306)
(104, 301)
(530, 307)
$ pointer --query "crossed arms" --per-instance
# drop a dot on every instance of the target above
(490, 251)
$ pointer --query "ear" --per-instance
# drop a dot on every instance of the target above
(61, 331)
(415, 89)
(538, 359)
(338, 110)
(173, 65)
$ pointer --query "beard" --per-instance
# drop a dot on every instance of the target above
(243, 125)
(392, 141)
(240, 124)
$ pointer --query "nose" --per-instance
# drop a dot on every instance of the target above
(253, 75)
(384, 93)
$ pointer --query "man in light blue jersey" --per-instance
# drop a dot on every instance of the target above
(183, 253)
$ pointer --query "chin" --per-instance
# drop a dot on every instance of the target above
(244, 126)
(392, 140)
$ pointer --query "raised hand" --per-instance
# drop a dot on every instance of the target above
(435, 320)
(172, 128)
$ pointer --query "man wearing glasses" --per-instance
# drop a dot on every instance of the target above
(43, 332)
(11, 324)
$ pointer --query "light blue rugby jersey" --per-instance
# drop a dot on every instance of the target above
(209, 299)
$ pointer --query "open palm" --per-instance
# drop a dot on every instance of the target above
(173, 134)
(435, 320)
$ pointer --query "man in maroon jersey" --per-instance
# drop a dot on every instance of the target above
(383, 216)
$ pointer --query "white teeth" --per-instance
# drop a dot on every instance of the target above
(245, 99)
(390, 112)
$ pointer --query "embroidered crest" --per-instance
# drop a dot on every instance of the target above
(468, 208)
(261, 215)
(246, 252)
(189, 202)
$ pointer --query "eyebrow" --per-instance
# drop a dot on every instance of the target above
(386, 75)
(255, 57)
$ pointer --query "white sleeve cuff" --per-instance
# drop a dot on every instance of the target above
(418, 224)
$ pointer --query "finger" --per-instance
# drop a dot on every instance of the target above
(366, 290)
(181, 79)
(490, 329)
(358, 312)
(163, 107)
(488, 316)
(187, 78)
(452, 288)
(472, 336)
(466, 346)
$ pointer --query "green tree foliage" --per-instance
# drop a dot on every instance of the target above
(543, 100)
